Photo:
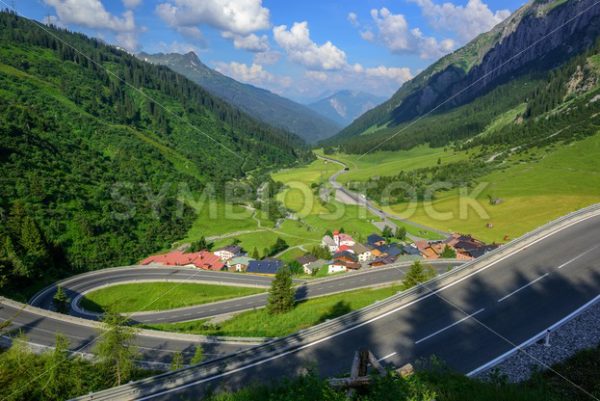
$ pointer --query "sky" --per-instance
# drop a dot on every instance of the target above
(303, 49)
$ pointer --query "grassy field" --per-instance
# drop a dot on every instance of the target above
(220, 218)
(143, 297)
(299, 196)
(391, 163)
(535, 189)
(259, 323)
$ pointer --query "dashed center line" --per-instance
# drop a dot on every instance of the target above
(577, 257)
(450, 326)
(523, 287)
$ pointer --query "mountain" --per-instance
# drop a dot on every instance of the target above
(344, 106)
(542, 45)
(98, 149)
(259, 103)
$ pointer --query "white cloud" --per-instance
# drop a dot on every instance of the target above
(394, 33)
(300, 48)
(465, 21)
(253, 74)
(131, 3)
(241, 17)
(267, 58)
(191, 32)
(252, 42)
(92, 14)
(317, 75)
(353, 18)
(398, 75)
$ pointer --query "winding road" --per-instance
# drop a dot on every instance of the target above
(348, 196)
(468, 317)
(79, 285)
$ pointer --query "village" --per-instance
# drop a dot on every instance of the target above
(338, 253)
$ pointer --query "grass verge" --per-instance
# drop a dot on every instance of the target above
(126, 298)
(258, 323)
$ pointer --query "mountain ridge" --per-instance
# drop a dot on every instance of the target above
(260, 103)
(480, 66)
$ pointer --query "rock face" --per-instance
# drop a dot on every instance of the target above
(259, 103)
(538, 36)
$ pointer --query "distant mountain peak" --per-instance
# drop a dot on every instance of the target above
(259, 103)
(345, 105)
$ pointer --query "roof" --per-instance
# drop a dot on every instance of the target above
(359, 248)
(386, 260)
(345, 254)
(203, 260)
(316, 264)
(348, 265)
(305, 259)
(267, 266)
(373, 238)
(391, 250)
(346, 237)
(345, 248)
(242, 260)
(410, 250)
(482, 250)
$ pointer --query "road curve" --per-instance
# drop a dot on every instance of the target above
(467, 318)
(83, 283)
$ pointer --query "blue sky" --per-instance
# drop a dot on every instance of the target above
(300, 49)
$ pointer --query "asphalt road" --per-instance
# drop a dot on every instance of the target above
(41, 330)
(466, 323)
(78, 285)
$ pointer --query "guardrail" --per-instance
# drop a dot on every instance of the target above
(171, 380)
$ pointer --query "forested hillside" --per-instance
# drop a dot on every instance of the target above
(95, 146)
(260, 103)
(521, 69)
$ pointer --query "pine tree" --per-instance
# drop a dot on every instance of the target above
(58, 380)
(417, 274)
(198, 355)
(115, 349)
(60, 300)
(281, 294)
(401, 233)
(177, 361)
(448, 253)
(255, 254)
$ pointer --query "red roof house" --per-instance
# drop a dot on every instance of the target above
(203, 260)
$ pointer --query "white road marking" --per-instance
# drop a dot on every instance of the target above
(449, 327)
(577, 257)
(523, 287)
(386, 357)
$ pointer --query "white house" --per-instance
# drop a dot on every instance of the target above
(336, 268)
(228, 252)
(362, 252)
(309, 268)
(329, 243)
(239, 264)
(338, 240)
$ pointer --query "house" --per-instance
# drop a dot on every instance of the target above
(376, 253)
(311, 267)
(363, 253)
(329, 243)
(390, 250)
(228, 252)
(342, 266)
(384, 260)
(203, 260)
(468, 247)
(266, 266)
(342, 239)
(239, 263)
(375, 240)
(345, 256)
(306, 259)
(410, 250)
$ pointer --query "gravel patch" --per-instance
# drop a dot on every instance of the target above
(577, 334)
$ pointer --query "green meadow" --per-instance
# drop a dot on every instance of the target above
(534, 189)
(125, 298)
(259, 323)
